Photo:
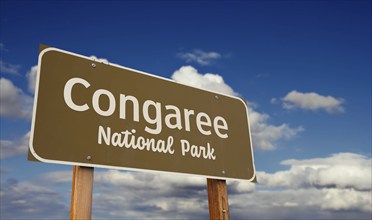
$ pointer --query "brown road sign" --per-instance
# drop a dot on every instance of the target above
(91, 113)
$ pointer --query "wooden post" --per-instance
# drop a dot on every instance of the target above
(82, 191)
(217, 200)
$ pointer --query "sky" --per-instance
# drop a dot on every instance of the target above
(304, 68)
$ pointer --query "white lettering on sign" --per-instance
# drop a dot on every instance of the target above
(151, 112)
(176, 115)
(67, 94)
(197, 151)
(123, 105)
(96, 96)
(128, 140)
(156, 120)
(200, 122)
(218, 127)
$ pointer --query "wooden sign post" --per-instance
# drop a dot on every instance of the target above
(217, 199)
(82, 191)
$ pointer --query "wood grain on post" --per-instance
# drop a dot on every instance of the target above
(82, 189)
(217, 199)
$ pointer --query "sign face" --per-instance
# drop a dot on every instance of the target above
(91, 113)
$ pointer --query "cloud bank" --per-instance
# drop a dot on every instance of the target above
(311, 188)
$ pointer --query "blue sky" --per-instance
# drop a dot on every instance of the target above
(303, 66)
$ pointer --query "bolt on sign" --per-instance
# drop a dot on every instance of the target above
(91, 113)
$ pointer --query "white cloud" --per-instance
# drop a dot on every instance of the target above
(188, 75)
(200, 57)
(346, 199)
(312, 101)
(140, 179)
(264, 135)
(15, 147)
(313, 188)
(342, 170)
(14, 103)
(132, 179)
(309, 203)
(9, 68)
(31, 76)
(238, 187)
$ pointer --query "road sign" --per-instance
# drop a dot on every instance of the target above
(91, 113)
